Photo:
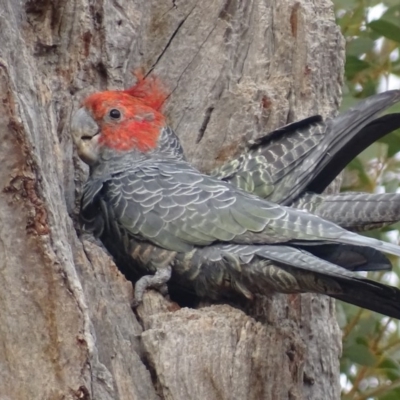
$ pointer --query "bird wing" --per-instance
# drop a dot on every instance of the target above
(309, 154)
(263, 269)
(174, 206)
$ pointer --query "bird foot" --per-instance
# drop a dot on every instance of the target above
(157, 281)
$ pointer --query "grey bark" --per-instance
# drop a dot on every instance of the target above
(234, 69)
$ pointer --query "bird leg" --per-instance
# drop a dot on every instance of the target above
(157, 281)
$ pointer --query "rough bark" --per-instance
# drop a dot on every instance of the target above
(235, 69)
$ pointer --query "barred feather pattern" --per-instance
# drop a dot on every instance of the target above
(161, 213)
(158, 215)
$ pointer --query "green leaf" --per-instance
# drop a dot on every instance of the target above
(393, 143)
(396, 67)
(389, 3)
(376, 150)
(359, 46)
(386, 29)
(393, 394)
(390, 367)
(392, 15)
(354, 65)
(360, 354)
(388, 363)
(369, 87)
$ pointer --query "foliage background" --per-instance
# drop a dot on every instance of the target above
(371, 343)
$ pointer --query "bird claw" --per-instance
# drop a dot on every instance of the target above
(157, 281)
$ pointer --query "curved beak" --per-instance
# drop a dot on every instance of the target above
(85, 134)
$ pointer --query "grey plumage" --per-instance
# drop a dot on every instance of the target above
(354, 211)
(295, 163)
(165, 214)
(176, 207)
(158, 215)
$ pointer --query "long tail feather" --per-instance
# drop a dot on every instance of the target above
(354, 211)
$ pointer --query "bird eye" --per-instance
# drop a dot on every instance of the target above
(115, 114)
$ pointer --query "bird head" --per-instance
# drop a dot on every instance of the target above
(121, 120)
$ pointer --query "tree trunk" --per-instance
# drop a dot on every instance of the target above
(235, 70)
